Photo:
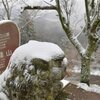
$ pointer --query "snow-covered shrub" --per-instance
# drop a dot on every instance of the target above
(35, 71)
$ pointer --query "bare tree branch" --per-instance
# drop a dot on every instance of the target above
(87, 14)
(92, 4)
(40, 8)
(25, 2)
(48, 3)
(68, 32)
(80, 32)
(94, 26)
(5, 4)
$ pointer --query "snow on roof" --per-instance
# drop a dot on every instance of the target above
(34, 49)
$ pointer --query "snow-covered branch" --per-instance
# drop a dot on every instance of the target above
(48, 3)
(67, 29)
(40, 8)
(87, 14)
(78, 45)
(80, 32)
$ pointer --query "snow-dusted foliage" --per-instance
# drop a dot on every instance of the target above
(34, 72)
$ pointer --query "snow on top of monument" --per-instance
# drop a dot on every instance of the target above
(35, 49)
(5, 21)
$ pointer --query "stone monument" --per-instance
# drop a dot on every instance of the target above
(9, 41)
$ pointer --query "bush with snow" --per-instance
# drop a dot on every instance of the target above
(34, 72)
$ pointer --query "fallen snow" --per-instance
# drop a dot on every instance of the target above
(64, 82)
(3, 96)
(95, 72)
(34, 49)
(65, 61)
(76, 69)
(91, 88)
(3, 78)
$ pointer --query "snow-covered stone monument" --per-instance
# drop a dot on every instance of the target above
(34, 72)
(9, 41)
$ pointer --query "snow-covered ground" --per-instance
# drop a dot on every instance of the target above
(64, 82)
(92, 88)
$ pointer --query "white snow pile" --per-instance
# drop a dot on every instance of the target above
(5, 21)
(65, 62)
(76, 69)
(91, 88)
(64, 82)
(3, 96)
(3, 78)
(34, 49)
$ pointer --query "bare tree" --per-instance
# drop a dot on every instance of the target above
(92, 22)
(26, 24)
(8, 6)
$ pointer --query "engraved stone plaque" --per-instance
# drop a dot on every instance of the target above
(9, 41)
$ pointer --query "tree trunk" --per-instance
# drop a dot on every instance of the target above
(85, 70)
(86, 58)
